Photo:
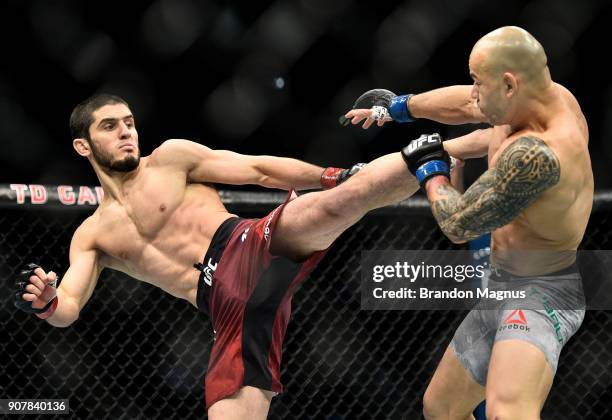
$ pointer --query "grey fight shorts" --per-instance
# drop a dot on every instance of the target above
(547, 317)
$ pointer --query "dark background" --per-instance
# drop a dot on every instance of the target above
(265, 77)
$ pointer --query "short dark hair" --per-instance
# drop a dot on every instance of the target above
(82, 114)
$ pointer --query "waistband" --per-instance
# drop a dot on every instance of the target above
(211, 260)
(497, 274)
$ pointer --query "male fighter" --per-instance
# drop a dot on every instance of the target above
(536, 195)
(160, 222)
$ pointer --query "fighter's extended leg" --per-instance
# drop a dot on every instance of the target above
(313, 221)
(247, 404)
(452, 393)
(518, 382)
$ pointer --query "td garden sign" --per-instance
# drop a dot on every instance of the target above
(64, 195)
(36, 196)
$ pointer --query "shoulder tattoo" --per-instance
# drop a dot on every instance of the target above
(526, 168)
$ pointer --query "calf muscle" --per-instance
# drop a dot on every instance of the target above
(313, 221)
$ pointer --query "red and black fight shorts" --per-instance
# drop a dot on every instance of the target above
(247, 293)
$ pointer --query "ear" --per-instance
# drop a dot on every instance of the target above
(510, 84)
(81, 146)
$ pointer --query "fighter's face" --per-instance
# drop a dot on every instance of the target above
(114, 139)
(488, 90)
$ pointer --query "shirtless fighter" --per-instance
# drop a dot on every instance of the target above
(161, 223)
(536, 195)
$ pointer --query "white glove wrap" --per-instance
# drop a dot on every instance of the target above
(380, 113)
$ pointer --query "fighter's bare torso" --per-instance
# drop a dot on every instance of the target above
(556, 221)
(159, 227)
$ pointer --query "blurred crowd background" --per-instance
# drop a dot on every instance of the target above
(266, 77)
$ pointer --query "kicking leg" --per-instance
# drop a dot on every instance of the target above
(313, 221)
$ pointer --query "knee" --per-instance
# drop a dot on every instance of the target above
(509, 409)
(343, 201)
(497, 410)
(433, 407)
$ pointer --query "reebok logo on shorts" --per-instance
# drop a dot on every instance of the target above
(516, 317)
(515, 321)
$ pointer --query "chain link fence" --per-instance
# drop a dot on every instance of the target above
(136, 353)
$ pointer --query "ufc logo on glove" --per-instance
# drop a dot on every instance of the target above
(425, 138)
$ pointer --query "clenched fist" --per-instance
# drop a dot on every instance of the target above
(35, 289)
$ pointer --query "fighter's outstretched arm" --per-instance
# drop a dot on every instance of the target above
(450, 105)
(524, 170)
(223, 166)
(74, 290)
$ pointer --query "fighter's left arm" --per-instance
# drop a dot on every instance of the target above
(524, 170)
(203, 164)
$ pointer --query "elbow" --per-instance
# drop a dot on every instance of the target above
(259, 175)
(263, 181)
(454, 236)
(62, 322)
(456, 240)
(269, 182)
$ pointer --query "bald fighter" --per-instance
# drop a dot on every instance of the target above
(535, 198)
(161, 222)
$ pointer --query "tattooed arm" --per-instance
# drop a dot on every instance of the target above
(524, 170)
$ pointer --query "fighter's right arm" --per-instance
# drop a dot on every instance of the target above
(450, 105)
(77, 285)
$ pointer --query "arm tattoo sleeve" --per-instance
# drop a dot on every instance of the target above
(525, 169)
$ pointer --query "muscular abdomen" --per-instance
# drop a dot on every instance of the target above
(164, 257)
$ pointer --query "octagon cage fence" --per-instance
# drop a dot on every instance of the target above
(136, 353)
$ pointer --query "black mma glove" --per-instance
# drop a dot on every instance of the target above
(384, 105)
(426, 157)
(22, 281)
